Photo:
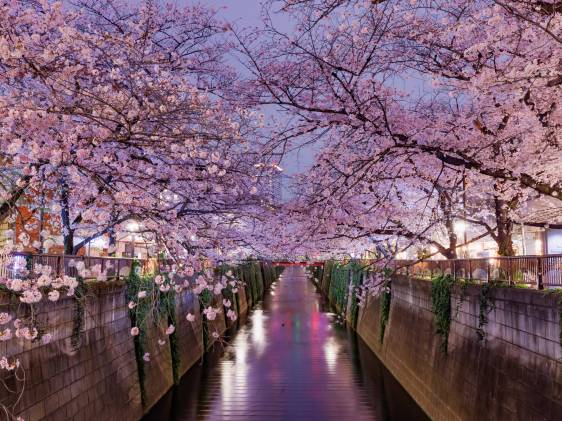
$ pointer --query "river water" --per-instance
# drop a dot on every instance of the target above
(292, 360)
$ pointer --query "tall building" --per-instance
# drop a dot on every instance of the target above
(274, 188)
(277, 188)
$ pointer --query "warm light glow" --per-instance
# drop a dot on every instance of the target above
(133, 226)
(460, 227)
(538, 246)
(99, 242)
(475, 248)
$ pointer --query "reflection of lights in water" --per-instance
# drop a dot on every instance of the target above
(228, 372)
(234, 375)
(241, 347)
(258, 331)
(331, 348)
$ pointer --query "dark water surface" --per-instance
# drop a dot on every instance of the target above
(292, 360)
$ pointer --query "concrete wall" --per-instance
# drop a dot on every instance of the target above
(515, 373)
(99, 376)
(99, 379)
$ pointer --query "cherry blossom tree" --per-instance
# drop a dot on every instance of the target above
(489, 119)
(117, 113)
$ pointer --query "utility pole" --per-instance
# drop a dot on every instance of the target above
(465, 238)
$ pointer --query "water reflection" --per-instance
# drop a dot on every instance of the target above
(291, 361)
(331, 348)
(259, 338)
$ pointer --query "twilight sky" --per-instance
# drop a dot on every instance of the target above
(246, 13)
(243, 12)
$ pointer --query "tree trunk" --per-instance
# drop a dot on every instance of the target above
(445, 204)
(504, 227)
(112, 243)
(67, 231)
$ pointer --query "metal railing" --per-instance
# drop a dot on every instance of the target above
(532, 271)
(112, 267)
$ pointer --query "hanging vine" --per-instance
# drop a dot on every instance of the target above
(441, 287)
(560, 318)
(485, 307)
(356, 280)
(463, 289)
(136, 315)
(168, 307)
(78, 317)
(386, 297)
(205, 300)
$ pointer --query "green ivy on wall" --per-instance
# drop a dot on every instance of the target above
(386, 297)
(168, 307)
(337, 292)
(441, 287)
(134, 285)
(325, 284)
(161, 307)
(205, 300)
(357, 273)
(484, 309)
(560, 318)
(78, 318)
(463, 289)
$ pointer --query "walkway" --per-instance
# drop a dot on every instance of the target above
(291, 361)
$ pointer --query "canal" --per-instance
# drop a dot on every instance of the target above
(292, 360)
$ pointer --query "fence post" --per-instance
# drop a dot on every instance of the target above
(60, 266)
(454, 268)
(539, 273)
(469, 269)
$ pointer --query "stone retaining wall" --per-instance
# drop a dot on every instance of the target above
(513, 373)
(98, 377)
